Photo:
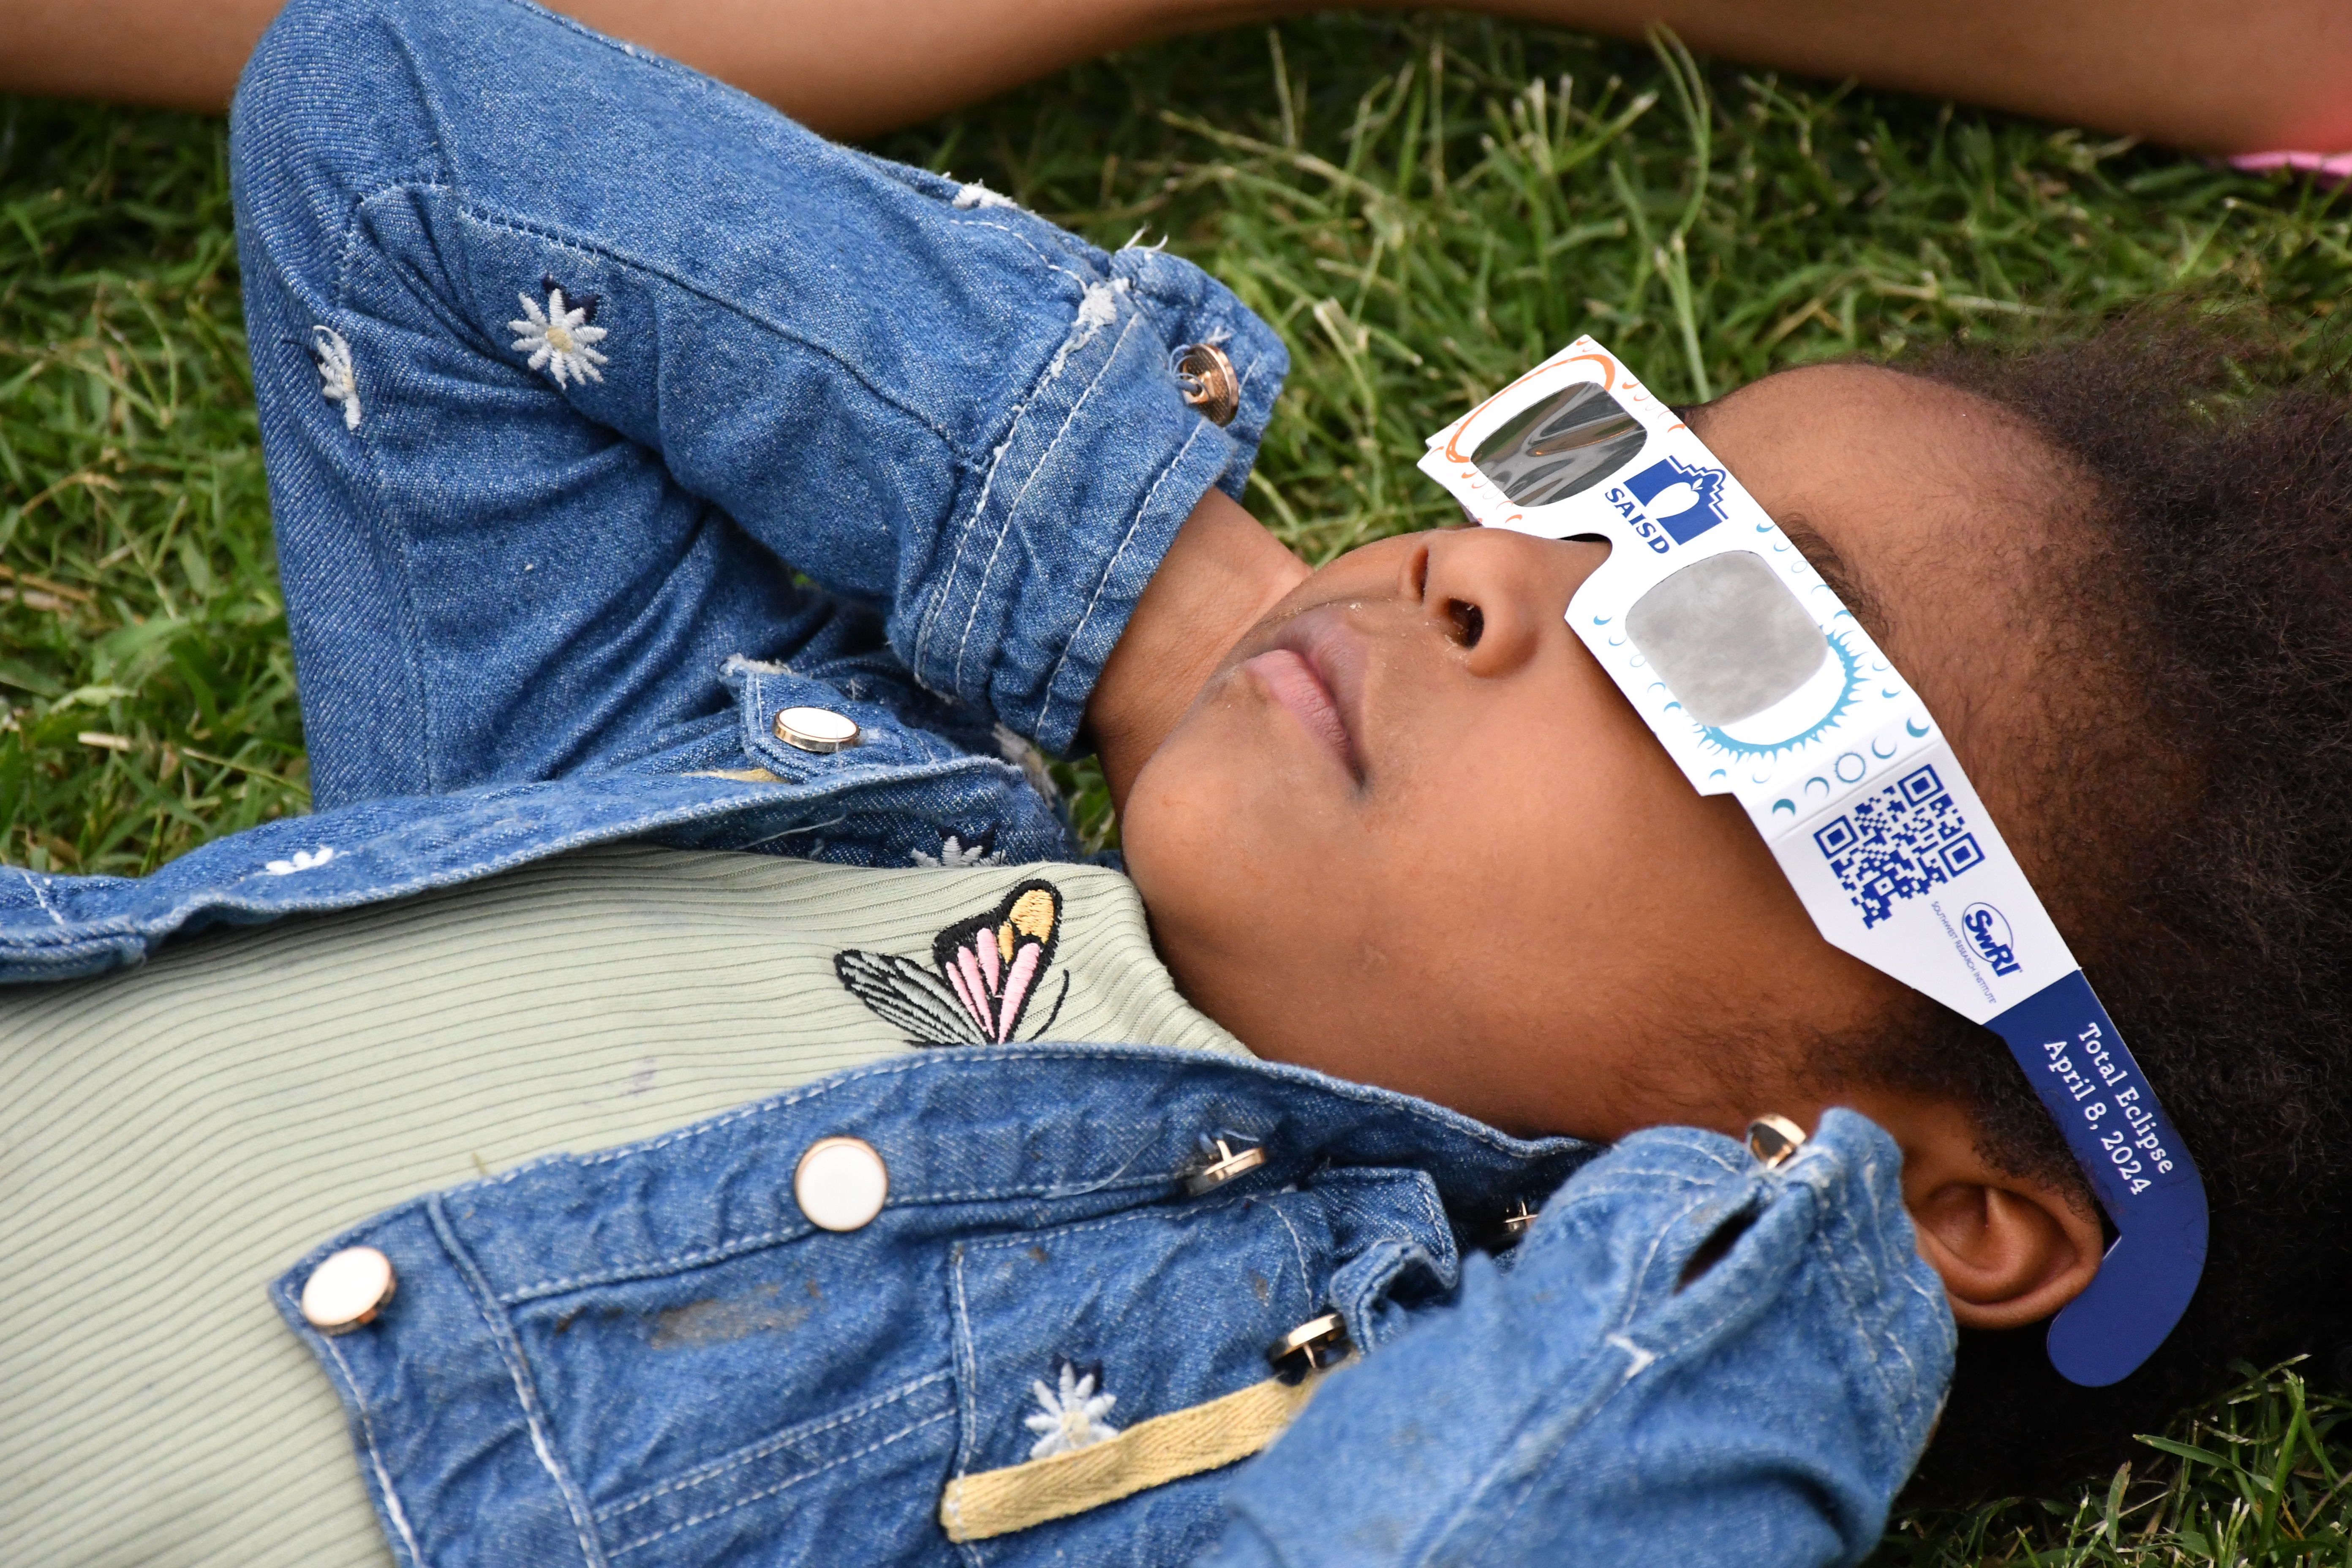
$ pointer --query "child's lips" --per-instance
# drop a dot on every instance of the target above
(1292, 682)
(1312, 673)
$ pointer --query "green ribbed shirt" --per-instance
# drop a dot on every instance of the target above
(173, 1137)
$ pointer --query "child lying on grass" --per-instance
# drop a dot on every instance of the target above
(572, 363)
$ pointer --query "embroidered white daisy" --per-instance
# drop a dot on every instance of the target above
(338, 383)
(558, 339)
(954, 853)
(301, 861)
(1071, 1417)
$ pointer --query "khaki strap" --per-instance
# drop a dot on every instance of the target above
(1149, 1454)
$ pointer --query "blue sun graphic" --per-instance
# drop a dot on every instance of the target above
(1731, 746)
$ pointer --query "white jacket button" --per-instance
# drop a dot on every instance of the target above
(349, 1288)
(817, 730)
(840, 1183)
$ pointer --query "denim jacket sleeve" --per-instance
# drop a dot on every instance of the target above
(1585, 1403)
(927, 401)
(540, 604)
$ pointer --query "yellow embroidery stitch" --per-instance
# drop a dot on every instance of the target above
(1149, 1454)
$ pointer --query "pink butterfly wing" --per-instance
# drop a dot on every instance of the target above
(965, 973)
(986, 943)
(1017, 981)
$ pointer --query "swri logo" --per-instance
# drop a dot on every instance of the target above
(1988, 929)
(1670, 500)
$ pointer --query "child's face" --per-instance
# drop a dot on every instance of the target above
(1411, 833)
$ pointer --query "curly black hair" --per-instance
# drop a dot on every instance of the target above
(2202, 851)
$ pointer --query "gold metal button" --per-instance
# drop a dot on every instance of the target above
(840, 1183)
(1516, 1222)
(1311, 1346)
(817, 730)
(1774, 1140)
(1230, 1162)
(349, 1288)
(1209, 383)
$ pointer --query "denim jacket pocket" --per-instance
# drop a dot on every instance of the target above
(860, 1472)
(790, 1403)
(1066, 1338)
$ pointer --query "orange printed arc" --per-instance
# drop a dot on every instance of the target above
(1608, 383)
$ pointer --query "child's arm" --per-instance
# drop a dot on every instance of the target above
(2205, 74)
(1587, 1404)
(922, 399)
(1223, 572)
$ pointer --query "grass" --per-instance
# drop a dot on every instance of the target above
(1423, 207)
(142, 645)
(2258, 1478)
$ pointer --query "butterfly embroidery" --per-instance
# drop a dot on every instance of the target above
(989, 968)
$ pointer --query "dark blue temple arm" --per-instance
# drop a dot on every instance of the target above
(2076, 1058)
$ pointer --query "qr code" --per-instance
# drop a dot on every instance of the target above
(1902, 841)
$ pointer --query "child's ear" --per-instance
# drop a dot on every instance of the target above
(2012, 1250)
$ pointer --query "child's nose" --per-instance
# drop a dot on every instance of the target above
(1497, 594)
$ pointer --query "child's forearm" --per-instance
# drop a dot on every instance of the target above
(2205, 74)
(1223, 572)
(2211, 76)
(842, 70)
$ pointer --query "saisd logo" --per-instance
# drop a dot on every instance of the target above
(1671, 500)
(1988, 929)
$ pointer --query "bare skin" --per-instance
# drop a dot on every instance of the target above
(2206, 75)
(1409, 833)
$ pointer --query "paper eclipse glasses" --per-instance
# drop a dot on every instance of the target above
(1761, 685)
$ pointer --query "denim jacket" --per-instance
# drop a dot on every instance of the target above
(859, 437)
(563, 353)
(650, 1356)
